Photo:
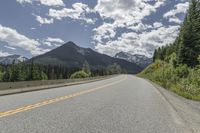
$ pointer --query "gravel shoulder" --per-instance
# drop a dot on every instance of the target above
(45, 86)
(188, 110)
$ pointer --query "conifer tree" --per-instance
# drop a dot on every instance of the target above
(86, 68)
(35, 75)
(189, 47)
(155, 55)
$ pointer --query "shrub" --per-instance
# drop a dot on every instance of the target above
(79, 74)
(181, 79)
(1, 76)
(44, 76)
(86, 68)
(113, 69)
(182, 71)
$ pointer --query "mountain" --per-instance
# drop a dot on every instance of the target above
(73, 56)
(140, 60)
(12, 59)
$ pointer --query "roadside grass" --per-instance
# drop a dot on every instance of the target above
(166, 75)
(176, 89)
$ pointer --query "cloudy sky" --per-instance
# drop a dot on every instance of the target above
(32, 27)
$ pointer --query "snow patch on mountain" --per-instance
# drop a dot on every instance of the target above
(140, 60)
(12, 59)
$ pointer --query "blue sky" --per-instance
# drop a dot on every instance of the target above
(32, 27)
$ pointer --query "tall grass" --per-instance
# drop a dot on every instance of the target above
(181, 79)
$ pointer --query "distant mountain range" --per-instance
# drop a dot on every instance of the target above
(140, 60)
(12, 59)
(73, 56)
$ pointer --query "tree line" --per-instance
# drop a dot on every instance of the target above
(177, 66)
(32, 71)
(187, 44)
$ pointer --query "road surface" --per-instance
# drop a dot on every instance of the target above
(123, 104)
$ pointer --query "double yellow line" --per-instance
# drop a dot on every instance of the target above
(55, 100)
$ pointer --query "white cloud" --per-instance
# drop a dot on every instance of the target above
(9, 47)
(157, 25)
(15, 39)
(2, 54)
(52, 2)
(24, 1)
(178, 9)
(77, 12)
(143, 43)
(175, 20)
(112, 35)
(33, 28)
(127, 14)
(58, 40)
(105, 31)
(139, 27)
(44, 20)
(53, 42)
(43, 2)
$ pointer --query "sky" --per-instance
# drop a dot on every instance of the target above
(33, 27)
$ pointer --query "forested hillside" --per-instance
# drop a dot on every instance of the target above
(66, 61)
(177, 65)
(33, 71)
(72, 56)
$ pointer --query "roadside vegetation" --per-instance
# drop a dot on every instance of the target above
(79, 75)
(182, 79)
(86, 71)
(32, 71)
(177, 66)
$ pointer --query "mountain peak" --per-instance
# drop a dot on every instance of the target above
(12, 59)
(72, 56)
(141, 60)
(70, 43)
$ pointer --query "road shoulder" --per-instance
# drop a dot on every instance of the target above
(188, 110)
(45, 87)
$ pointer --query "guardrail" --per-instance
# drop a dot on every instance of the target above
(26, 86)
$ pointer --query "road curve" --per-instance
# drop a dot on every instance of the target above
(123, 104)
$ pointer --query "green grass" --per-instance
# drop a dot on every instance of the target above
(183, 81)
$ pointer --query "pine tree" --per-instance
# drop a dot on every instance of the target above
(86, 68)
(155, 55)
(189, 48)
(181, 46)
(1, 73)
(7, 75)
(35, 74)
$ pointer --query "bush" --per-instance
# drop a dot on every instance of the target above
(113, 69)
(1, 76)
(86, 68)
(182, 71)
(181, 79)
(44, 76)
(79, 75)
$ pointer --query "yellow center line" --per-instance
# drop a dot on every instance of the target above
(55, 100)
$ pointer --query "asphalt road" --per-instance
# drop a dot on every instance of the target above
(123, 104)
